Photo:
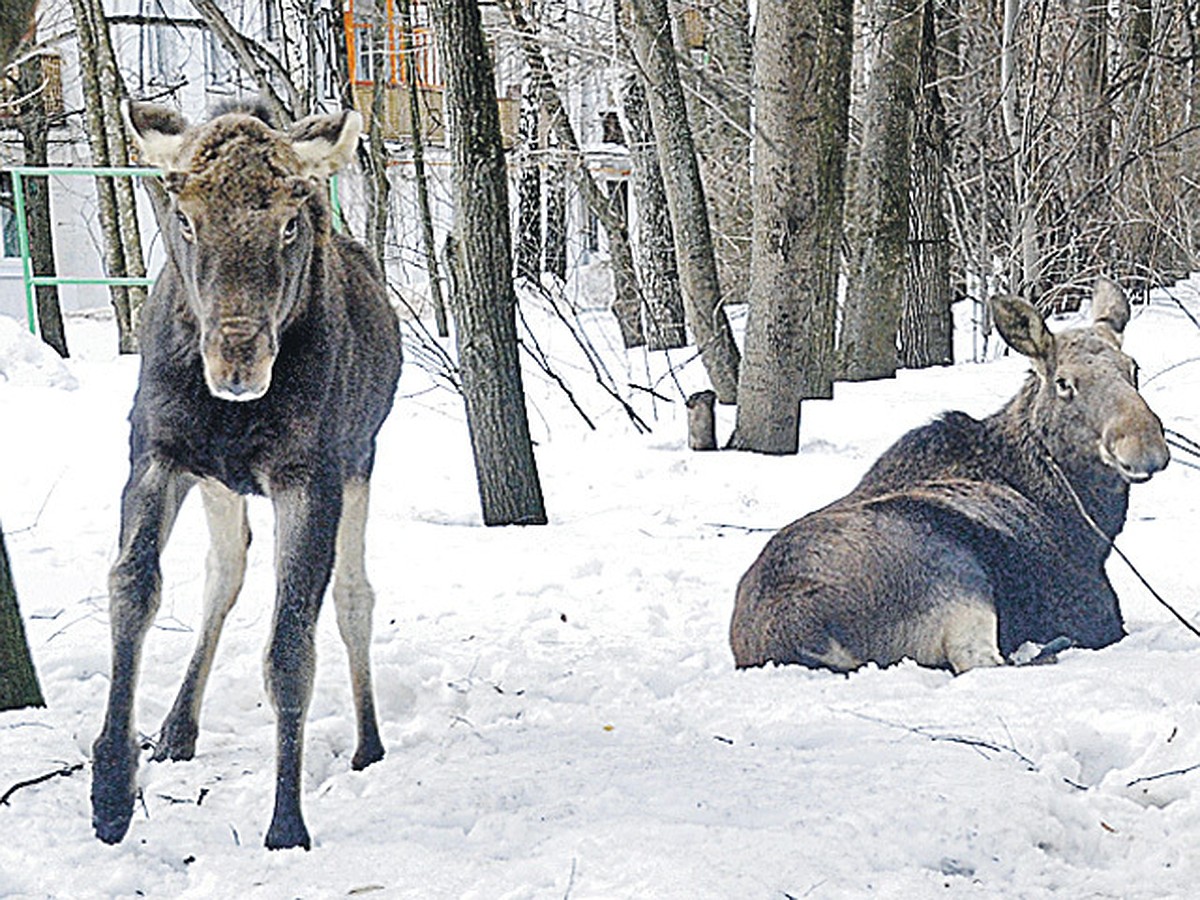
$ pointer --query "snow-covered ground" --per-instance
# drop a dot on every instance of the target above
(559, 704)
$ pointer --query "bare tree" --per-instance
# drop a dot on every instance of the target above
(274, 81)
(33, 122)
(483, 301)
(529, 188)
(716, 42)
(420, 176)
(18, 680)
(818, 324)
(102, 91)
(786, 255)
(626, 304)
(879, 237)
(655, 250)
(925, 323)
(655, 53)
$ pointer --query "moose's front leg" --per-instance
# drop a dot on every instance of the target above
(306, 522)
(149, 504)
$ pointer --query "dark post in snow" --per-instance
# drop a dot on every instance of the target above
(483, 302)
(702, 426)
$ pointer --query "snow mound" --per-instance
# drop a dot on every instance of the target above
(28, 362)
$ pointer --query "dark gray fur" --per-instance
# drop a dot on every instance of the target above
(964, 540)
(260, 303)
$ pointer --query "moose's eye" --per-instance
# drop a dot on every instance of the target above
(289, 230)
(1065, 387)
(186, 230)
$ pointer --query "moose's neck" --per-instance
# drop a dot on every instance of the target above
(1061, 474)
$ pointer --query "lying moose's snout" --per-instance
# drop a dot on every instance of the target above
(238, 356)
(1136, 453)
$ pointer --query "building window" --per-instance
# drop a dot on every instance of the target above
(326, 56)
(366, 53)
(10, 247)
(220, 71)
(272, 16)
(611, 125)
(161, 65)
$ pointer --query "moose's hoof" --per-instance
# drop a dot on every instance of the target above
(369, 751)
(113, 769)
(1032, 654)
(286, 833)
(177, 741)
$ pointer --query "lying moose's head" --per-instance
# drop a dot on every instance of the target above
(1085, 403)
(246, 211)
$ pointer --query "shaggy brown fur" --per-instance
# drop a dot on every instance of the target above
(270, 357)
(964, 539)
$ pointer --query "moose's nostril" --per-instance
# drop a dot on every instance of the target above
(1137, 457)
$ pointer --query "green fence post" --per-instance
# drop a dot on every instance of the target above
(30, 280)
(18, 186)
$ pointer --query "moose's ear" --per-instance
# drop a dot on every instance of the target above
(157, 131)
(325, 143)
(1023, 327)
(1110, 307)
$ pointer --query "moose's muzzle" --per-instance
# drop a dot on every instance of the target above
(238, 355)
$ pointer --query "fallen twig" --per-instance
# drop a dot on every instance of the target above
(64, 772)
(978, 744)
(1185, 770)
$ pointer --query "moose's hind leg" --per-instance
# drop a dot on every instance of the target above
(959, 628)
(969, 636)
(354, 600)
(225, 570)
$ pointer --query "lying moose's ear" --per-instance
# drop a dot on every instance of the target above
(1110, 307)
(1023, 327)
(325, 143)
(157, 131)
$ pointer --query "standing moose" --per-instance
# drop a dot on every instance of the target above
(969, 537)
(270, 358)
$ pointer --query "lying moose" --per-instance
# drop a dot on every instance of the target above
(270, 357)
(969, 537)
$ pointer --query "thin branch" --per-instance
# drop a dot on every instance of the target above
(65, 772)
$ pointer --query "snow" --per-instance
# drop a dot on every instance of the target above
(559, 704)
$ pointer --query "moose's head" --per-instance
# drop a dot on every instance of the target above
(246, 210)
(1085, 404)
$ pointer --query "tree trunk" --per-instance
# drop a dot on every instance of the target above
(879, 252)
(719, 108)
(529, 189)
(18, 679)
(786, 255)
(555, 254)
(102, 91)
(378, 187)
(16, 21)
(484, 303)
(818, 325)
(269, 74)
(627, 300)
(425, 210)
(1025, 211)
(925, 326)
(35, 137)
(655, 249)
(655, 53)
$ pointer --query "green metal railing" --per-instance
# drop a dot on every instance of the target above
(31, 281)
